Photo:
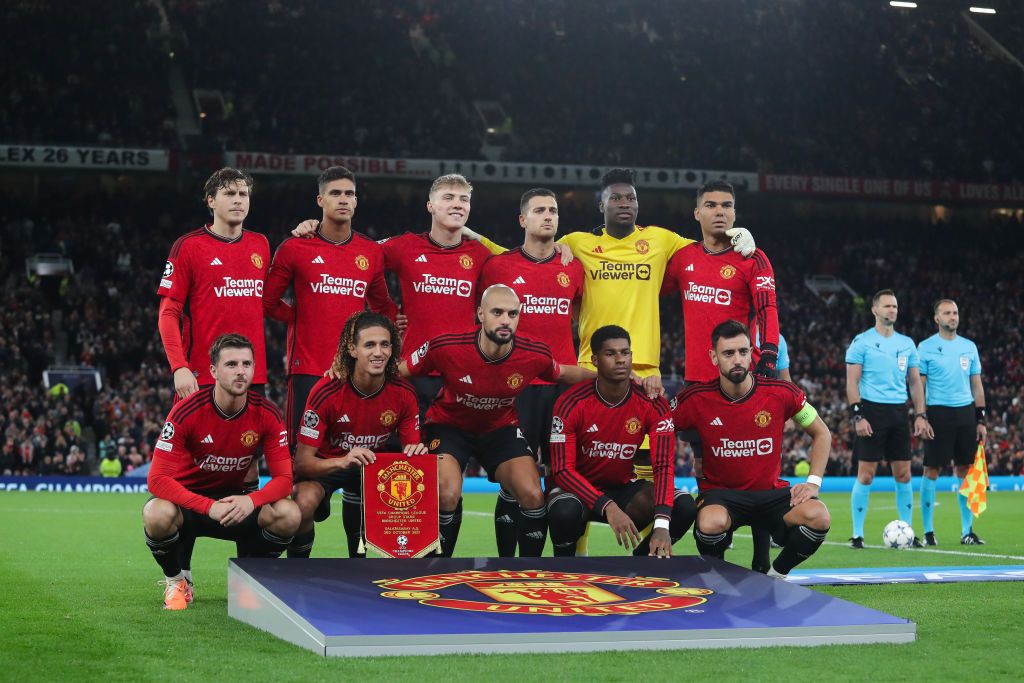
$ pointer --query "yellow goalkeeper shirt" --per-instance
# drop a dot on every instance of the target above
(623, 279)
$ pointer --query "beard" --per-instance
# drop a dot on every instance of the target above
(494, 336)
(736, 375)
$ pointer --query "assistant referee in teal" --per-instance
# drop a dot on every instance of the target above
(880, 366)
(951, 370)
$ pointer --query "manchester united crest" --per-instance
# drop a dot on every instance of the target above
(249, 438)
(466, 261)
(514, 381)
(362, 263)
(400, 486)
(257, 260)
(633, 425)
(388, 418)
(642, 246)
(763, 418)
(727, 272)
(563, 279)
(434, 443)
(548, 593)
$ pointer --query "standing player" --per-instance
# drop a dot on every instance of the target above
(550, 293)
(349, 416)
(596, 431)
(333, 275)
(717, 284)
(474, 416)
(199, 468)
(740, 418)
(955, 396)
(880, 365)
(212, 284)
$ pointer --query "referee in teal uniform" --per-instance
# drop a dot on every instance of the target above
(951, 370)
(880, 365)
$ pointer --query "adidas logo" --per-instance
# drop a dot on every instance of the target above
(535, 534)
(504, 519)
(593, 428)
(208, 439)
(717, 422)
(519, 281)
(344, 418)
(597, 250)
(422, 258)
(689, 268)
(467, 379)
(216, 262)
(318, 259)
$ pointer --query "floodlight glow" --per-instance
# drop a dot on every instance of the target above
(983, 10)
(897, 3)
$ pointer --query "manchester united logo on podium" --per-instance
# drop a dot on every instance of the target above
(550, 593)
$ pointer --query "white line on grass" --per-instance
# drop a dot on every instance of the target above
(841, 543)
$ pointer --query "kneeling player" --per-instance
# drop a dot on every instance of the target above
(199, 467)
(595, 433)
(474, 416)
(740, 419)
(349, 415)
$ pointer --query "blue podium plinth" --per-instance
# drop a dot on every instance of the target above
(382, 607)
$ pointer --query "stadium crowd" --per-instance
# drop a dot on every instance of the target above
(104, 315)
(780, 87)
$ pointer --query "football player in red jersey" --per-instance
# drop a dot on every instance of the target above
(597, 430)
(332, 275)
(716, 284)
(348, 416)
(741, 419)
(482, 372)
(199, 468)
(550, 293)
(212, 284)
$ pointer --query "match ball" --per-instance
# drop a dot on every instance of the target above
(897, 534)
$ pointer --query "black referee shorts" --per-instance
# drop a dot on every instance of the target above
(535, 406)
(956, 436)
(890, 438)
(490, 448)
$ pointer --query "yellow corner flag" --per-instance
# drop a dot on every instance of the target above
(976, 483)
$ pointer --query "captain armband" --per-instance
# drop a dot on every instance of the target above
(806, 415)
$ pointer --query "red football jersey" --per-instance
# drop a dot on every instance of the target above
(438, 284)
(339, 418)
(593, 443)
(220, 284)
(547, 291)
(478, 394)
(741, 440)
(203, 450)
(716, 287)
(331, 281)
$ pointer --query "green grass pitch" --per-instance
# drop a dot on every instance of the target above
(79, 600)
